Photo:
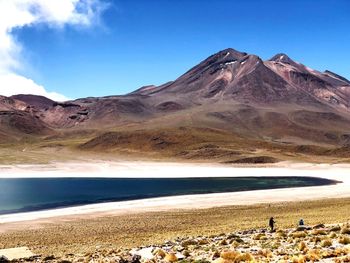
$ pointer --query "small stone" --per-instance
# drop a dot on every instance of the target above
(223, 242)
(215, 255)
(51, 257)
(186, 253)
(302, 228)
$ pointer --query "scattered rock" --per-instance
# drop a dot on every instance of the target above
(302, 228)
(47, 258)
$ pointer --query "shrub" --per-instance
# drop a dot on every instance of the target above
(229, 254)
(245, 257)
(326, 243)
(317, 232)
(300, 259)
(298, 234)
(345, 230)
(344, 240)
(170, 257)
(302, 246)
(159, 252)
(313, 255)
(335, 228)
(332, 235)
(260, 236)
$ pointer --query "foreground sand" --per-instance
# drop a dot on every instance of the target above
(301, 244)
(67, 235)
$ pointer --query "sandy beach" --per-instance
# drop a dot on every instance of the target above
(337, 172)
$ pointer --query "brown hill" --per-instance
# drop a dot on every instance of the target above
(18, 121)
(39, 102)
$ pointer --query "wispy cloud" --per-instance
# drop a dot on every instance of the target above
(16, 14)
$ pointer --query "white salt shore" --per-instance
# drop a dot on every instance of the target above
(339, 172)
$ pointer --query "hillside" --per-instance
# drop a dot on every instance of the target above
(230, 106)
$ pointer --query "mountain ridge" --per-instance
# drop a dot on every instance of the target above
(275, 101)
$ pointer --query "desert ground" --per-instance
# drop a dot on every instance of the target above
(89, 235)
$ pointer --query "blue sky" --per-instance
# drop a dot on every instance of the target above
(137, 43)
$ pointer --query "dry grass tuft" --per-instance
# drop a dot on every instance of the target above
(299, 234)
(170, 257)
(317, 232)
(302, 246)
(326, 243)
(299, 259)
(81, 235)
(313, 255)
(345, 240)
(345, 230)
(229, 254)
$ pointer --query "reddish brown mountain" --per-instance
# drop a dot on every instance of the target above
(39, 102)
(278, 100)
(17, 120)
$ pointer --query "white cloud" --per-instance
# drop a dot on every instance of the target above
(15, 14)
(21, 85)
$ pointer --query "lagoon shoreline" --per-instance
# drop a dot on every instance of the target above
(99, 169)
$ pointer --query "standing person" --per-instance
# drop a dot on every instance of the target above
(272, 224)
(301, 222)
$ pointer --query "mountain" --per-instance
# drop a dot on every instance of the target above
(17, 121)
(231, 103)
(232, 75)
(38, 102)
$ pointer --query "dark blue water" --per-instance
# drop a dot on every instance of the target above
(30, 194)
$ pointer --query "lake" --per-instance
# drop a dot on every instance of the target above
(32, 194)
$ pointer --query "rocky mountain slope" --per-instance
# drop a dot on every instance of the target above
(276, 101)
(18, 119)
